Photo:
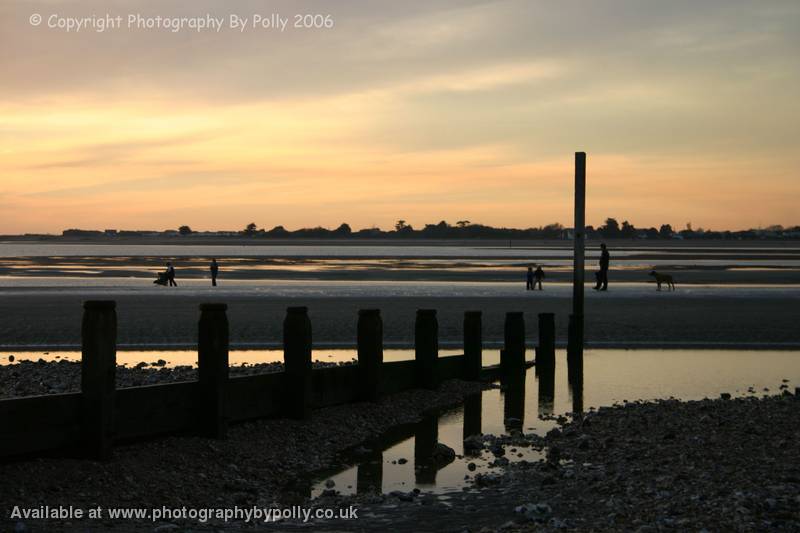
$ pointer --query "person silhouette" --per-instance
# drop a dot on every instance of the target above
(214, 272)
(538, 276)
(171, 275)
(602, 275)
(529, 279)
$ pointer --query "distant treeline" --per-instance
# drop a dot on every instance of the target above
(463, 229)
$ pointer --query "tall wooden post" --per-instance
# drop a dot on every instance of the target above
(426, 348)
(212, 368)
(98, 376)
(473, 341)
(575, 343)
(370, 354)
(297, 361)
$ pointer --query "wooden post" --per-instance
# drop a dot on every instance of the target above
(212, 368)
(512, 357)
(575, 342)
(426, 348)
(297, 361)
(98, 373)
(370, 354)
(546, 351)
(574, 353)
(473, 345)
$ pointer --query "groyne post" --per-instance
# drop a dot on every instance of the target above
(473, 345)
(297, 361)
(426, 348)
(512, 357)
(370, 354)
(212, 368)
(546, 351)
(98, 376)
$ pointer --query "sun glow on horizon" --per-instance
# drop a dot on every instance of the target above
(466, 122)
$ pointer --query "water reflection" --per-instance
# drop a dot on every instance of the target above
(576, 392)
(405, 458)
(513, 401)
(426, 437)
(547, 391)
(369, 474)
(473, 406)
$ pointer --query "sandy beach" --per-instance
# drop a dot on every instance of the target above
(634, 317)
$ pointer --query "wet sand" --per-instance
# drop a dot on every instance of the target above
(767, 318)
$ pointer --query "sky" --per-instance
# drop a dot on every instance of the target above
(415, 110)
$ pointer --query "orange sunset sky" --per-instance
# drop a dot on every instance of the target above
(415, 110)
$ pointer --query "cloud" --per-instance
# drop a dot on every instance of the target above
(424, 105)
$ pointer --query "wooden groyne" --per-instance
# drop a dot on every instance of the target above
(89, 422)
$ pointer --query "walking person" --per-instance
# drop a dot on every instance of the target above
(602, 275)
(171, 275)
(538, 276)
(214, 272)
(529, 279)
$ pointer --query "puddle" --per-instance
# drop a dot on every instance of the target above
(401, 460)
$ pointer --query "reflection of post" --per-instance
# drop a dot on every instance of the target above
(369, 476)
(576, 393)
(547, 391)
(425, 438)
(575, 342)
(514, 404)
(473, 404)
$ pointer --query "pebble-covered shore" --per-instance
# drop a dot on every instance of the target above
(728, 464)
(710, 465)
(30, 378)
(261, 463)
